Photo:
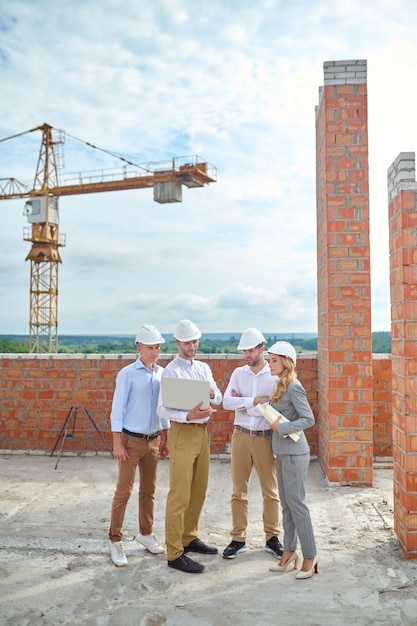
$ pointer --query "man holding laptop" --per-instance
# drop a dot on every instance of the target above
(189, 449)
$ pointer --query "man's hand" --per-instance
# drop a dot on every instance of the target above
(163, 447)
(197, 413)
(261, 400)
(119, 451)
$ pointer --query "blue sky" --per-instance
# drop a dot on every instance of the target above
(233, 81)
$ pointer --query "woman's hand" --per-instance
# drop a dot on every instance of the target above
(274, 425)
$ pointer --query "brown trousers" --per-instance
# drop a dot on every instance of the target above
(144, 455)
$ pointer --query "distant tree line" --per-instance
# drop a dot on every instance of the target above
(72, 344)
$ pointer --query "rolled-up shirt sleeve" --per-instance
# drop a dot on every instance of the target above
(217, 393)
(232, 403)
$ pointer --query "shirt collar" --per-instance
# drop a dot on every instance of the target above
(264, 370)
(140, 365)
(185, 361)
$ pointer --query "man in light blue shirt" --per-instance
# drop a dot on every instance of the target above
(139, 438)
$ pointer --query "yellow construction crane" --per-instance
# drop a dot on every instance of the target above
(42, 212)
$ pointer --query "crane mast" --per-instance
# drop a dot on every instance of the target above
(42, 212)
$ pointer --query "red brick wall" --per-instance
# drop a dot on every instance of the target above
(382, 404)
(37, 392)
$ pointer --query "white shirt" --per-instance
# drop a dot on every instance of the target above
(249, 386)
(196, 370)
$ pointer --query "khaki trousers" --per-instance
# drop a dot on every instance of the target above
(143, 454)
(250, 451)
(189, 458)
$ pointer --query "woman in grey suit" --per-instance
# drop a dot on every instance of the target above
(293, 457)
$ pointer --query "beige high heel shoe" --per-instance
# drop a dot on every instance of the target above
(284, 568)
(308, 574)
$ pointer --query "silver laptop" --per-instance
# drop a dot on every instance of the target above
(184, 393)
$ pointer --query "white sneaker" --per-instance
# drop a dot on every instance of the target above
(149, 542)
(117, 553)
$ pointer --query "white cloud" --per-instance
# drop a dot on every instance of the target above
(234, 82)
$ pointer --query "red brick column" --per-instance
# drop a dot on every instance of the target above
(402, 189)
(343, 254)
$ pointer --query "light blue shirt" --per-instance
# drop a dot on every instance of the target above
(135, 400)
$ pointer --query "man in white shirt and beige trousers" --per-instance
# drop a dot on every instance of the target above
(250, 385)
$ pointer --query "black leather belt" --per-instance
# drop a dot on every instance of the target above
(203, 425)
(147, 437)
(255, 433)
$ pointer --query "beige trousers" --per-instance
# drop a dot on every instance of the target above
(189, 458)
(248, 452)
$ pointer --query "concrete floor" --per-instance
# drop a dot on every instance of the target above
(55, 566)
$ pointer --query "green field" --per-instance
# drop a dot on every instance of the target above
(210, 343)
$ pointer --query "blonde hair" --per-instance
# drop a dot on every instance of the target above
(285, 379)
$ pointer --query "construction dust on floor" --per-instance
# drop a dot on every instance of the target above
(55, 566)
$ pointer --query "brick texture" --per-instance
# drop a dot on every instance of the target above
(37, 393)
(382, 406)
(402, 190)
(345, 382)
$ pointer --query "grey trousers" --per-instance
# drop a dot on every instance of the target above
(292, 474)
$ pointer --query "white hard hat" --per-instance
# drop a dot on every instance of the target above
(186, 331)
(251, 338)
(283, 348)
(149, 335)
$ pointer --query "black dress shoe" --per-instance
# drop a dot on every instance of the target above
(185, 564)
(199, 546)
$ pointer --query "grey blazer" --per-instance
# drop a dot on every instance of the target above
(295, 407)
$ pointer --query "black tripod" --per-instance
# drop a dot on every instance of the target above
(69, 425)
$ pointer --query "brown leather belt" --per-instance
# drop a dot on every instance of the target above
(193, 424)
(255, 433)
(147, 437)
